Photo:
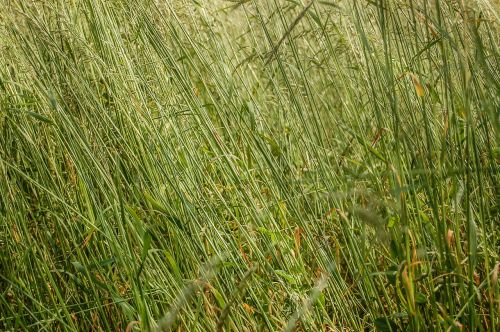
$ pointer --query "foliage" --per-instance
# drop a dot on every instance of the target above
(249, 165)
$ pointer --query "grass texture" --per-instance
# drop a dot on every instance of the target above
(249, 165)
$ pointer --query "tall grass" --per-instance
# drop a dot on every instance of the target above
(249, 165)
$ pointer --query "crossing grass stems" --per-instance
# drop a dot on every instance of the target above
(249, 165)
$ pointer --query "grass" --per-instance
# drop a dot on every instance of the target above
(249, 165)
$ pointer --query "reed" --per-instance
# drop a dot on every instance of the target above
(249, 165)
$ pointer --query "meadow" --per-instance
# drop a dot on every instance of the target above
(249, 165)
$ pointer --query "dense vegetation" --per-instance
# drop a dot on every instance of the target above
(249, 165)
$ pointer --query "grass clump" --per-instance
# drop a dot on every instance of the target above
(249, 165)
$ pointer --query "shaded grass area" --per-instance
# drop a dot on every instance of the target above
(249, 165)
